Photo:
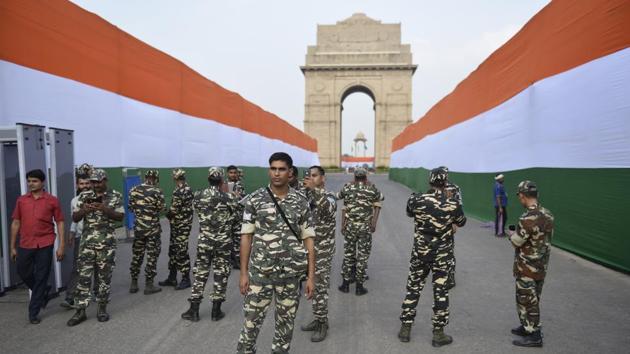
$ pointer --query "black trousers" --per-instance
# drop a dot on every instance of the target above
(33, 266)
(496, 220)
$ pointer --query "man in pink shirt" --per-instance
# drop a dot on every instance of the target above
(34, 219)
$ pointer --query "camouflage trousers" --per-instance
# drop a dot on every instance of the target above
(256, 304)
(528, 293)
(178, 259)
(451, 269)
(101, 261)
(419, 269)
(324, 255)
(206, 255)
(151, 242)
(356, 251)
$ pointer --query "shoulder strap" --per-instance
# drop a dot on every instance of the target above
(284, 217)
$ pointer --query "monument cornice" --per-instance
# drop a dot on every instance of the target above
(370, 67)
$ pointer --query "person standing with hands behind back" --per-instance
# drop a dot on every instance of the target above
(34, 218)
(278, 232)
(500, 205)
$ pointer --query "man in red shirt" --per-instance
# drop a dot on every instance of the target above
(34, 217)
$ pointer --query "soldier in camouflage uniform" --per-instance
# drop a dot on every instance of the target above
(146, 201)
(281, 251)
(434, 215)
(180, 216)
(235, 186)
(323, 209)
(532, 242)
(99, 209)
(215, 207)
(362, 203)
(454, 192)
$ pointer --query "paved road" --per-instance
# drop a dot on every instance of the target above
(585, 307)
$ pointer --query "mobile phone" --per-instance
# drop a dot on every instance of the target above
(512, 227)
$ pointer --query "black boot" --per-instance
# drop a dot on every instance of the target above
(405, 332)
(193, 312)
(217, 314)
(345, 286)
(360, 290)
(185, 283)
(149, 288)
(320, 332)
(133, 288)
(101, 312)
(78, 317)
(519, 331)
(171, 280)
(530, 340)
(440, 338)
(310, 327)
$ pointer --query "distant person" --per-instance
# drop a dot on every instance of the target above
(100, 209)
(324, 211)
(76, 228)
(180, 217)
(532, 241)
(362, 205)
(434, 215)
(235, 186)
(34, 219)
(146, 201)
(294, 180)
(500, 205)
(215, 207)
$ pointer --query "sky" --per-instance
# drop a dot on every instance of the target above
(256, 47)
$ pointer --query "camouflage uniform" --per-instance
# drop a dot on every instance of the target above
(239, 192)
(277, 261)
(360, 199)
(532, 242)
(97, 250)
(434, 215)
(180, 216)
(146, 201)
(215, 209)
(454, 192)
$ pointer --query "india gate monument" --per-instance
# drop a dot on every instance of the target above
(358, 54)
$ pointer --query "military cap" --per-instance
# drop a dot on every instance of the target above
(438, 176)
(444, 168)
(360, 172)
(526, 187)
(215, 172)
(498, 177)
(179, 173)
(152, 173)
(98, 175)
(84, 169)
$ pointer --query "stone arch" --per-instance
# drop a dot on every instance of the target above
(358, 54)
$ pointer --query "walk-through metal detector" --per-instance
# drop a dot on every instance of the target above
(24, 147)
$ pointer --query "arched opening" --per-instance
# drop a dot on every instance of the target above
(358, 127)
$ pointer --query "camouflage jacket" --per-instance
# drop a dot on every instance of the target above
(434, 215)
(146, 202)
(359, 201)
(323, 209)
(453, 191)
(215, 209)
(532, 241)
(98, 229)
(238, 189)
(276, 252)
(181, 209)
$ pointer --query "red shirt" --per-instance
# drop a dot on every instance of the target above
(36, 216)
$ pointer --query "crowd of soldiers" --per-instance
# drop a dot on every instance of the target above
(282, 238)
